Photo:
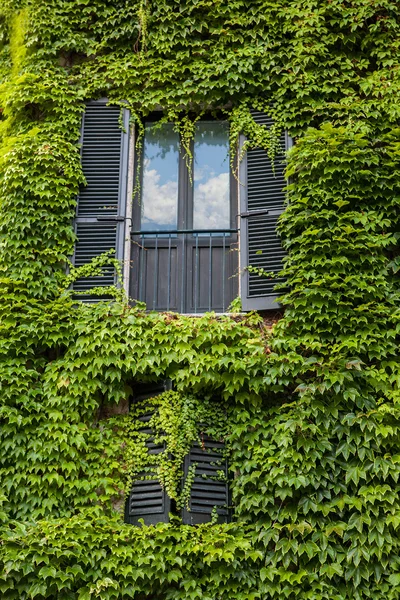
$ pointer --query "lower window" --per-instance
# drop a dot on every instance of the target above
(195, 486)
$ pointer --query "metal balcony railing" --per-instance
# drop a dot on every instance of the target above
(185, 270)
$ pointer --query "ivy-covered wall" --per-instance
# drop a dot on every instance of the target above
(313, 404)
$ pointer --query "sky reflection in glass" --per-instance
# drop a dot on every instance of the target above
(211, 207)
(160, 178)
(159, 201)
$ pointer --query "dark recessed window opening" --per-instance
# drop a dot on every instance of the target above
(205, 463)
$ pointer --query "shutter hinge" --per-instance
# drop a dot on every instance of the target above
(118, 218)
(255, 213)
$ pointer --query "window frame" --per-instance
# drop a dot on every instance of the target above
(188, 286)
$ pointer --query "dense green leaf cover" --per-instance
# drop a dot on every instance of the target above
(313, 404)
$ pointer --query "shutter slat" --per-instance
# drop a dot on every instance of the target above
(103, 147)
(261, 246)
(208, 491)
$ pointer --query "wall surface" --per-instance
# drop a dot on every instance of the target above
(313, 428)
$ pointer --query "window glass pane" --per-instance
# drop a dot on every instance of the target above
(159, 201)
(211, 207)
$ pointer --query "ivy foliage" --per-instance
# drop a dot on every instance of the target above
(313, 403)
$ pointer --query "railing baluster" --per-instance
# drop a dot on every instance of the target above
(196, 273)
(141, 268)
(210, 275)
(223, 273)
(155, 280)
(183, 272)
(169, 273)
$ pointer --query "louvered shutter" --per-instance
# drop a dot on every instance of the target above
(262, 201)
(147, 500)
(209, 490)
(101, 203)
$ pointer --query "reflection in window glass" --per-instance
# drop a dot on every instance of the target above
(160, 178)
(211, 207)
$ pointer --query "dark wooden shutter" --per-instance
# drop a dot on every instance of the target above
(101, 203)
(208, 490)
(262, 201)
(147, 500)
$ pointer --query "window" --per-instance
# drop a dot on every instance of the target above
(184, 254)
(205, 465)
(182, 234)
